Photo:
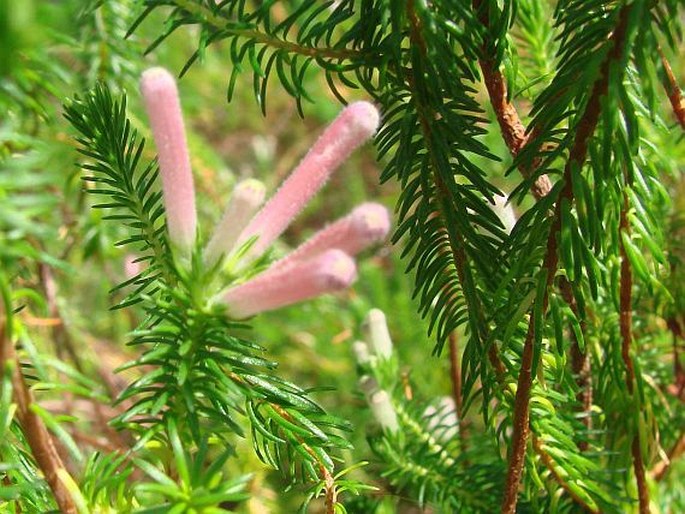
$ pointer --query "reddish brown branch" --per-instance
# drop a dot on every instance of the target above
(37, 435)
(577, 156)
(513, 131)
(514, 135)
(626, 327)
(673, 91)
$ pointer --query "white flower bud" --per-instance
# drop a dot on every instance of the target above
(376, 329)
(383, 411)
(361, 352)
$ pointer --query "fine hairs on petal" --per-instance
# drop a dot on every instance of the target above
(160, 96)
(367, 224)
(247, 197)
(331, 271)
(356, 124)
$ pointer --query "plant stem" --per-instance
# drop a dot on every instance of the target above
(513, 131)
(626, 326)
(552, 466)
(447, 211)
(577, 156)
(659, 471)
(37, 435)
(675, 95)
(580, 360)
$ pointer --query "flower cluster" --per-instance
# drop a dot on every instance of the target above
(323, 264)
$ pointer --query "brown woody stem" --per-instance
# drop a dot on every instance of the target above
(577, 156)
(626, 326)
(659, 471)
(675, 95)
(513, 131)
(37, 435)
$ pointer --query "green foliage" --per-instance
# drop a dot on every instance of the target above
(570, 326)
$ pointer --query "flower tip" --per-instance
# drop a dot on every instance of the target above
(252, 189)
(336, 270)
(364, 117)
(372, 222)
(156, 80)
(376, 318)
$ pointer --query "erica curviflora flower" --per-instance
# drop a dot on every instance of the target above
(160, 96)
(322, 264)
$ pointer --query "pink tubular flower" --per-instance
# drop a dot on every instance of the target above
(321, 265)
(247, 196)
(277, 287)
(367, 224)
(356, 124)
(160, 96)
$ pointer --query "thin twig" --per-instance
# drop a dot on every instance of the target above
(60, 337)
(331, 496)
(626, 326)
(515, 137)
(513, 131)
(223, 25)
(37, 435)
(675, 95)
(577, 156)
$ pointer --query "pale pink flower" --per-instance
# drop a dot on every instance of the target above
(367, 224)
(356, 124)
(160, 96)
(247, 197)
(330, 271)
(323, 264)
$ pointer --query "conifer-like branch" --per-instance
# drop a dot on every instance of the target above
(576, 159)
